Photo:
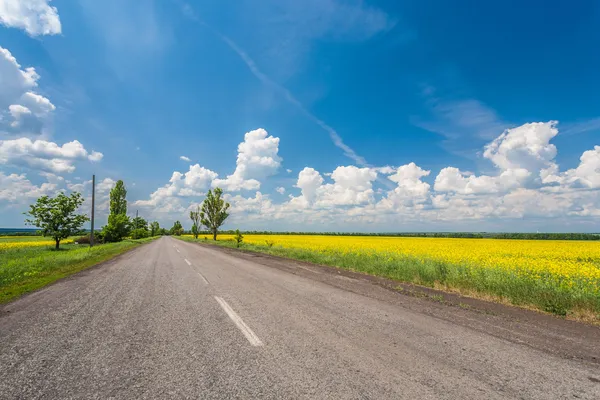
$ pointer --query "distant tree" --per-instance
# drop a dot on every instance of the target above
(119, 224)
(214, 211)
(238, 237)
(139, 223)
(154, 228)
(57, 216)
(164, 232)
(177, 229)
(196, 223)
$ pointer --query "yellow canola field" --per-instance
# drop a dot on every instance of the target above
(570, 261)
(21, 244)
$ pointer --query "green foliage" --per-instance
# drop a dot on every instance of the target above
(164, 232)
(214, 211)
(119, 224)
(177, 229)
(118, 199)
(238, 237)
(154, 228)
(117, 228)
(196, 223)
(140, 233)
(139, 223)
(57, 216)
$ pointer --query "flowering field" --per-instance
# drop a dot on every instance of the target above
(20, 242)
(557, 276)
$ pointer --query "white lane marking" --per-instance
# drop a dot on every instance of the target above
(203, 278)
(177, 249)
(251, 336)
(188, 263)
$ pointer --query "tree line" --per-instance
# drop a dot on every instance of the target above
(58, 218)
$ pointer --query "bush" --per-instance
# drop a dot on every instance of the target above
(139, 233)
(85, 239)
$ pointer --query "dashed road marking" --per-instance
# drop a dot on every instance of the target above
(203, 278)
(251, 336)
(188, 263)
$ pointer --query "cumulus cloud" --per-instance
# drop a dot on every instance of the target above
(17, 95)
(16, 187)
(44, 155)
(193, 183)
(257, 159)
(527, 184)
(36, 17)
(522, 155)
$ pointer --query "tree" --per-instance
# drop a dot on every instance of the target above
(239, 238)
(57, 216)
(139, 223)
(177, 229)
(118, 198)
(154, 228)
(214, 211)
(118, 225)
(195, 217)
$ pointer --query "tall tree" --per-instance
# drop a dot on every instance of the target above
(118, 225)
(196, 223)
(214, 211)
(118, 198)
(57, 216)
(154, 228)
(177, 229)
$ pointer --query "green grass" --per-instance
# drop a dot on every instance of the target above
(26, 269)
(486, 283)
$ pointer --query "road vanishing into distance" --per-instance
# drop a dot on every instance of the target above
(175, 320)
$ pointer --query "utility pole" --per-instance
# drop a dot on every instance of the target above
(93, 204)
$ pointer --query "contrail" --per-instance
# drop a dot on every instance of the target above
(335, 137)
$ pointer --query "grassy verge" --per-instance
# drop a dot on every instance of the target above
(26, 269)
(544, 293)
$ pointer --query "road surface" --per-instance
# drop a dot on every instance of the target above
(174, 320)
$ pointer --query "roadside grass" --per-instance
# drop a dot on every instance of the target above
(26, 269)
(498, 285)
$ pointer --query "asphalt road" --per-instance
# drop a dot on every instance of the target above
(176, 320)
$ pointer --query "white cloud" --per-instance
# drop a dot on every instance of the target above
(192, 183)
(257, 159)
(587, 174)
(17, 94)
(36, 17)
(44, 155)
(528, 184)
(184, 158)
(16, 187)
(289, 171)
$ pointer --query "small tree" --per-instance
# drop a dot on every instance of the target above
(239, 238)
(57, 216)
(195, 217)
(154, 228)
(177, 229)
(214, 211)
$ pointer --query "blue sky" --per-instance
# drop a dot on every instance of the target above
(313, 115)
